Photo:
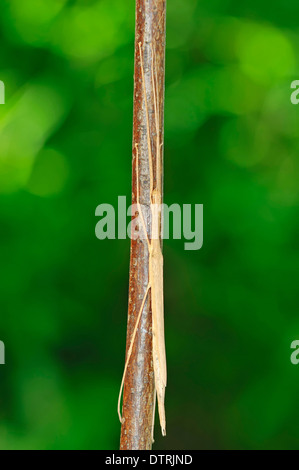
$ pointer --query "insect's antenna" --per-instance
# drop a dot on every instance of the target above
(145, 296)
(147, 122)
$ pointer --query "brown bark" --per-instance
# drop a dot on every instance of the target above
(138, 397)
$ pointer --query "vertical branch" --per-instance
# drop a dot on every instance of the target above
(148, 134)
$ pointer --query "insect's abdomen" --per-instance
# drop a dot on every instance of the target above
(159, 354)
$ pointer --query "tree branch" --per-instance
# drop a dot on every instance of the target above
(138, 398)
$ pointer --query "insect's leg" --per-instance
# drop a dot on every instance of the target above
(154, 412)
(130, 352)
(156, 108)
(147, 122)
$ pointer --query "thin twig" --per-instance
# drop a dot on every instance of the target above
(138, 397)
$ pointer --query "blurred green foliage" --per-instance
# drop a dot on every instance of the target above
(231, 143)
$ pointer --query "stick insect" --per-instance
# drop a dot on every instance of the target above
(155, 283)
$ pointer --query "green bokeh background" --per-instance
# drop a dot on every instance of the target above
(231, 143)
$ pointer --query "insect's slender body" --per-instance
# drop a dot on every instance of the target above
(155, 282)
(157, 301)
